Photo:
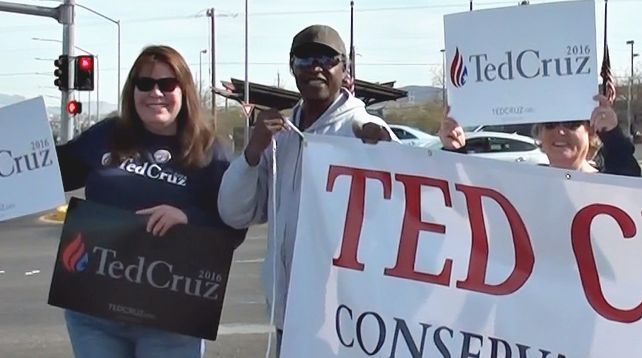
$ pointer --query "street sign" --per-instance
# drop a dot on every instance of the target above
(247, 109)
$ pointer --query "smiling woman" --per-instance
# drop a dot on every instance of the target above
(570, 144)
(158, 159)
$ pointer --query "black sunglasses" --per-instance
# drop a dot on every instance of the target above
(146, 84)
(572, 125)
(325, 62)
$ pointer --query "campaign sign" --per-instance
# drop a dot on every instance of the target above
(108, 266)
(29, 173)
(522, 64)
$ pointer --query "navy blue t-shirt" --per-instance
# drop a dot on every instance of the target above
(150, 179)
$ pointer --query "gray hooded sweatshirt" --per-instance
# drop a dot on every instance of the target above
(245, 195)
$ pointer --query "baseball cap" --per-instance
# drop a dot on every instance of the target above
(319, 34)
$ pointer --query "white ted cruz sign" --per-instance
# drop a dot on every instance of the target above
(522, 64)
(29, 174)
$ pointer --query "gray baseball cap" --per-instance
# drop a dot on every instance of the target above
(319, 34)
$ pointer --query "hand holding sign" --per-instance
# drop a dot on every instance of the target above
(603, 118)
(162, 218)
(451, 133)
(268, 122)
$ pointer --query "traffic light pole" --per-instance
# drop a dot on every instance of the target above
(68, 39)
(64, 14)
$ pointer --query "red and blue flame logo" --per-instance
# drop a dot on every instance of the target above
(74, 256)
(458, 71)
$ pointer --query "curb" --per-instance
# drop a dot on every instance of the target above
(55, 217)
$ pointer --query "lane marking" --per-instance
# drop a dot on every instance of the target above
(250, 261)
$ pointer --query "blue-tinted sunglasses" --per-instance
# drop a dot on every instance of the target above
(325, 62)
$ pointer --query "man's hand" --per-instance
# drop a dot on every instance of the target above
(162, 218)
(371, 133)
(267, 123)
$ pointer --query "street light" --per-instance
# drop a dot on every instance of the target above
(443, 77)
(628, 105)
(200, 72)
(117, 22)
(97, 74)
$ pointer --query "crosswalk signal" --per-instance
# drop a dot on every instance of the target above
(84, 73)
(74, 107)
(62, 72)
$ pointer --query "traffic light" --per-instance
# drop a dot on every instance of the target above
(84, 73)
(74, 107)
(62, 72)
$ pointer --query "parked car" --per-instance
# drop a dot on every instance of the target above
(525, 129)
(413, 136)
(502, 146)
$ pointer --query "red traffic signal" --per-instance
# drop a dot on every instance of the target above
(85, 63)
(84, 73)
(74, 107)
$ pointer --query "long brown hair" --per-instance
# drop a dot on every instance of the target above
(195, 136)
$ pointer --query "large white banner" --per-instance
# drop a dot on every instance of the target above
(29, 174)
(521, 64)
(406, 252)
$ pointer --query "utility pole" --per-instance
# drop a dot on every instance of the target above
(629, 111)
(212, 16)
(64, 14)
(246, 97)
(352, 51)
(200, 72)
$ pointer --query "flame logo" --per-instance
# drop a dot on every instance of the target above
(74, 257)
(458, 72)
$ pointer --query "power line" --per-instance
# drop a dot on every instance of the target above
(201, 14)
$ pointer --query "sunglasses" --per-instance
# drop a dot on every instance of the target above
(146, 84)
(572, 125)
(325, 62)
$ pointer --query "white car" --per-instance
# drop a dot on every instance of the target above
(413, 136)
(503, 146)
(523, 129)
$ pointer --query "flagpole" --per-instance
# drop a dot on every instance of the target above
(606, 48)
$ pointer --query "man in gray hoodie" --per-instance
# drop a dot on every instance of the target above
(318, 62)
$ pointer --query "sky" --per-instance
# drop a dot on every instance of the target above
(394, 40)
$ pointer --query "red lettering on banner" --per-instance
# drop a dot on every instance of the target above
(583, 250)
(412, 226)
(356, 205)
(524, 257)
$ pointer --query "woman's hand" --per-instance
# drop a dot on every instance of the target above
(603, 118)
(162, 218)
(451, 133)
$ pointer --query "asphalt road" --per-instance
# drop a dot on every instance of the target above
(31, 328)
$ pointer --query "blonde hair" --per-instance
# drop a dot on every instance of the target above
(594, 140)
